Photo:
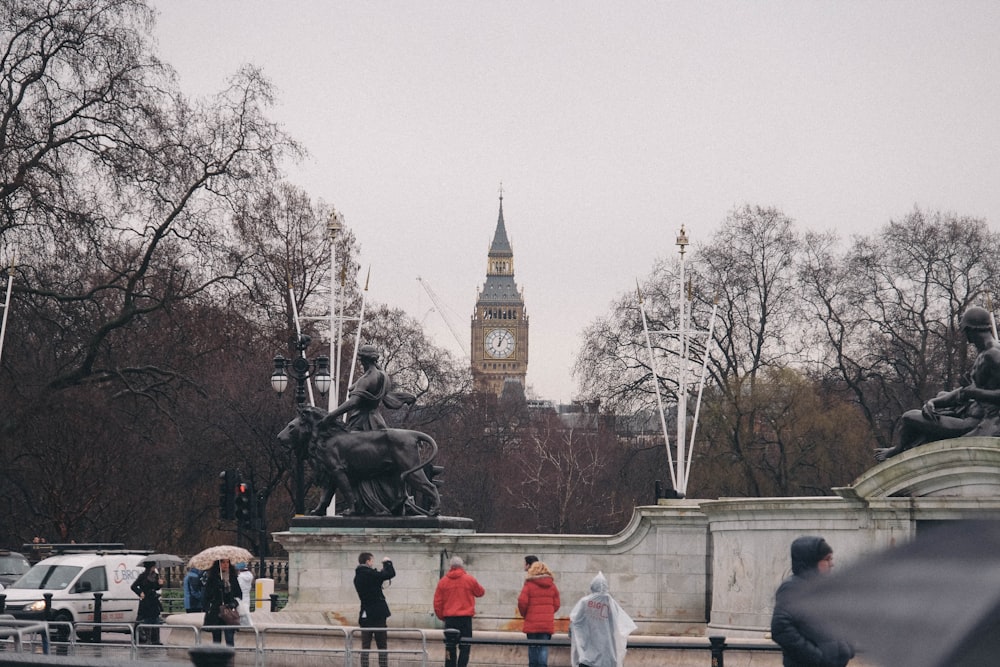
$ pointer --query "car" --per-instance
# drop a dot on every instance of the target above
(12, 566)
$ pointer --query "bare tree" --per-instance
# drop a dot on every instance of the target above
(890, 304)
(117, 193)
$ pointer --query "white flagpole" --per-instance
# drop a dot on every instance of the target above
(6, 305)
(656, 386)
(701, 387)
(357, 334)
(682, 391)
(340, 323)
(334, 357)
(334, 224)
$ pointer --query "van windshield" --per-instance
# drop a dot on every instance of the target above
(47, 577)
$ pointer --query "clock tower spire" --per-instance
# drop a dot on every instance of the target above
(499, 321)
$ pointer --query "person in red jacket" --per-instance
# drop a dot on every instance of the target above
(455, 604)
(538, 604)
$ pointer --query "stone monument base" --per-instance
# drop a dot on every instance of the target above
(312, 523)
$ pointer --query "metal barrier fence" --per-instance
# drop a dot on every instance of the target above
(325, 646)
(272, 646)
(712, 649)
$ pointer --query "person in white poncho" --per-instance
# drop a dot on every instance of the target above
(599, 628)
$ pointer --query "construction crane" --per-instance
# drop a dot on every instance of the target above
(440, 307)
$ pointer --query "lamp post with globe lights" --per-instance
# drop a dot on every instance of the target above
(301, 369)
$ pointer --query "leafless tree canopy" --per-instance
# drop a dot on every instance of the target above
(159, 257)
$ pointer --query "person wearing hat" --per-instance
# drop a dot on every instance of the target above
(365, 396)
(973, 409)
(802, 644)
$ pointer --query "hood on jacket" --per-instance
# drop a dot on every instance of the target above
(539, 569)
(807, 552)
(455, 573)
(599, 584)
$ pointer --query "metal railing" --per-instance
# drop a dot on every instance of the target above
(713, 648)
(325, 646)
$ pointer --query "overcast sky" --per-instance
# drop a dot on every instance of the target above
(610, 125)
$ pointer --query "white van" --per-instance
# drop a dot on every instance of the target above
(72, 579)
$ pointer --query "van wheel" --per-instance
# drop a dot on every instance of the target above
(60, 633)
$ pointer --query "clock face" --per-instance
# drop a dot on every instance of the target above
(499, 343)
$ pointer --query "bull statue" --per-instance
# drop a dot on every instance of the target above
(373, 471)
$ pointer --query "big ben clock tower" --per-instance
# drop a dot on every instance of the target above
(499, 322)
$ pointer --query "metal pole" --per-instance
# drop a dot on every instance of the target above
(334, 226)
(656, 386)
(718, 650)
(300, 473)
(701, 388)
(357, 334)
(682, 392)
(6, 308)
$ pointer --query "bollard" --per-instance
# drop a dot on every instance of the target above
(3, 603)
(274, 602)
(718, 648)
(212, 656)
(451, 639)
(48, 606)
(98, 601)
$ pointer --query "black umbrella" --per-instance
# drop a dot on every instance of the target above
(163, 560)
(934, 602)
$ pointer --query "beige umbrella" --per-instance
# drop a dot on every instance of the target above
(203, 560)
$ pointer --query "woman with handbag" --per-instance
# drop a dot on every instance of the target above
(222, 596)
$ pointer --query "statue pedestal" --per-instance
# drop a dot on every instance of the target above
(313, 524)
(323, 554)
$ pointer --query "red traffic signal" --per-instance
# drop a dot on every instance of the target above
(244, 504)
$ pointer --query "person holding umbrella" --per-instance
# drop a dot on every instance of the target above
(802, 643)
(222, 588)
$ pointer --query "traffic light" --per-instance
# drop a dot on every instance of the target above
(227, 494)
(244, 505)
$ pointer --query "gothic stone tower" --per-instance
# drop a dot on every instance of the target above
(499, 322)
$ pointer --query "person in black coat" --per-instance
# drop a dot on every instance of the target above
(221, 588)
(802, 644)
(147, 586)
(374, 609)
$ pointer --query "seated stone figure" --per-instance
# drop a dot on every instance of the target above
(972, 410)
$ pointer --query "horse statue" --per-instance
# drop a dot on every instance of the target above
(374, 471)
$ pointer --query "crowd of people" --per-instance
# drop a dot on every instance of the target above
(598, 626)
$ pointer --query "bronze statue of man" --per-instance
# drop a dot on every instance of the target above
(971, 410)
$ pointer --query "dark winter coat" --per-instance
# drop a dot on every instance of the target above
(368, 583)
(217, 594)
(802, 644)
(147, 587)
(538, 604)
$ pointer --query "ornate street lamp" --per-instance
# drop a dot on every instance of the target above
(301, 369)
